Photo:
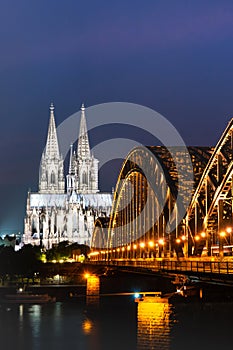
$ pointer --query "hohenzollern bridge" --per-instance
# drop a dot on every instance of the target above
(148, 222)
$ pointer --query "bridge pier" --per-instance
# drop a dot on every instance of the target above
(221, 235)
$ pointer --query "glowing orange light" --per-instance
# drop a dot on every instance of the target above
(142, 244)
(118, 249)
(128, 248)
(203, 234)
(161, 241)
(123, 249)
(183, 238)
(229, 229)
(87, 275)
(222, 234)
(151, 244)
(135, 246)
(178, 240)
(87, 326)
(196, 238)
(94, 253)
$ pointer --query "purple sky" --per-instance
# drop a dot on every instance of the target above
(173, 56)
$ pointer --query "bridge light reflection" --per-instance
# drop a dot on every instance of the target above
(203, 234)
(197, 238)
(178, 240)
(183, 237)
(142, 245)
(135, 246)
(228, 229)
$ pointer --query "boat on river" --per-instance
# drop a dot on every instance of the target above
(26, 297)
(151, 297)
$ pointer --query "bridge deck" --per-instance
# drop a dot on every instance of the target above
(222, 270)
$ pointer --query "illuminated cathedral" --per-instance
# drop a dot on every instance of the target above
(65, 210)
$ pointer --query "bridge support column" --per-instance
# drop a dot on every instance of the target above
(220, 227)
(208, 242)
(186, 241)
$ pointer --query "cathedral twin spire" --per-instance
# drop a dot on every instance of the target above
(51, 177)
(52, 148)
(83, 168)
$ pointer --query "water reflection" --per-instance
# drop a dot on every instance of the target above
(93, 290)
(87, 326)
(35, 319)
(153, 326)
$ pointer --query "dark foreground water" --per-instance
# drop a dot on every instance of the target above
(116, 323)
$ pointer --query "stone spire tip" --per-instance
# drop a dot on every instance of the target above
(51, 106)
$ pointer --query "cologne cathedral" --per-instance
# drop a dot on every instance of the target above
(62, 211)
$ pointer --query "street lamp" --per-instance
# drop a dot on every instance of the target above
(203, 234)
(222, 235)
(151, 244)
(161, 241)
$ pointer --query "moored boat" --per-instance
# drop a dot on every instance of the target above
(25, 297)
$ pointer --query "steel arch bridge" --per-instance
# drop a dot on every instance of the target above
(145, 203)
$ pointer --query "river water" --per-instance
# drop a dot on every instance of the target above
(116, 322)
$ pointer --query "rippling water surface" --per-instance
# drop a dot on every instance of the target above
(116, 322)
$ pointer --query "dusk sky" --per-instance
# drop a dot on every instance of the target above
(175, 57)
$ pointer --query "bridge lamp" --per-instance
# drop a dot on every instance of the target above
(203, 234)
(142, 245)
(128, 248)
(151, 244)
(183, 237)
(197, 238)
(229, 229)
(118, 249)
(161, 241)
(135, 246)
(178, 240)
(123, 249)
(222, 234)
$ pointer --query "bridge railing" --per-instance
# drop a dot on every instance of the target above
(197, 266)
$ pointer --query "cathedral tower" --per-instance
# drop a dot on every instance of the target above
(51, 175)
(83, 169)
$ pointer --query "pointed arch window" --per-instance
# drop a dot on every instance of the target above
(52, 179)
(84, 178)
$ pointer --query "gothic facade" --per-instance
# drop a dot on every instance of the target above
(65, 212)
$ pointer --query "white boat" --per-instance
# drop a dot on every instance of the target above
(150, 297)
(25, 297)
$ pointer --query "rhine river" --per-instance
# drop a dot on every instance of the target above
(116, 322)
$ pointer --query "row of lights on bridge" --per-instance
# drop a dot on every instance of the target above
(142, 245)
(222, 234)
(161, 242)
